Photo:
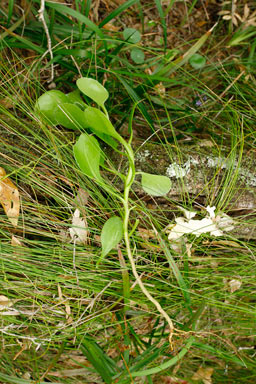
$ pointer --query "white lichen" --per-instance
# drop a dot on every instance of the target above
(219, 162)
(179, 171)
(142, 155)
(245, 175)
(248, 177)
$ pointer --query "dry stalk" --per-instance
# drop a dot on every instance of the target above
(49, 42)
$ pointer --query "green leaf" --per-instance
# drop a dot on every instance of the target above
(48, 103)
(197, 61)
(137, 55)
(70, 116)
(111, 234)
(87, 153)
(99, 123)
(74, 98)
(102, 363)
(155, 185)
(174, 360)
(93, 89)
(131, 35)
(172, 66)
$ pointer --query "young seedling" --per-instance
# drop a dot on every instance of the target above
(71, 112)
(133, 36)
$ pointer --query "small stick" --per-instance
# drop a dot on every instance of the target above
(49, 42)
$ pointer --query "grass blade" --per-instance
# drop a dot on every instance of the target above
(176, 272)
(163, 23)
(173, 66)
(64, 10)
(10, 11)
(168, 363)
(15, 25)
(135, 97)
(221, 354)
(117, 11)
(17, 380)
(27, 43)
(103, 364)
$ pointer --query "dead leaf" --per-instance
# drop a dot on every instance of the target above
(188, 249)
(172, 380)
(210, 223)
(26, 376)
(160, 88)
(234, 285)
(15, 242)
(111, 27)
(206, 143)
(82, 197)
(201, 23)
(69, 373)
(9, 198)
(7, 103)
(78, 231)
(146, 234)
(5, 302)
(24, 346)
(224, 243)
(67, 306)
(204, 374)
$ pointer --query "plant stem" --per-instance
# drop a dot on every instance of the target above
(128, 183)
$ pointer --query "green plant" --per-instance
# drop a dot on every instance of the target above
(197, 61)
(132, 36)
(68, 111)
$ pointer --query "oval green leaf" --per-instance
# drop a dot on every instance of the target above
(131, 35)
(155, 185)
(197, 61)
(48, 102)
(70, 116)
(98, 122)
(87, 154)
(137, 55)
(74, 98)
(93, 89)
(111, 234)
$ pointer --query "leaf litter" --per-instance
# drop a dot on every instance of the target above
(79, 232)
(204, 374)
(215, 225)
(9, 198)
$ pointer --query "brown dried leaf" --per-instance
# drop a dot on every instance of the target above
(172, 380)
(234, 285)
(246, 11)
(81, 198)
(67, 306)
(9, 198)
(78, 231)
(204, 374)
(146, 234)
(226, 243)
(15, 242)
(7, 103)
(5, 302)
(160, 88)
(111, 27)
